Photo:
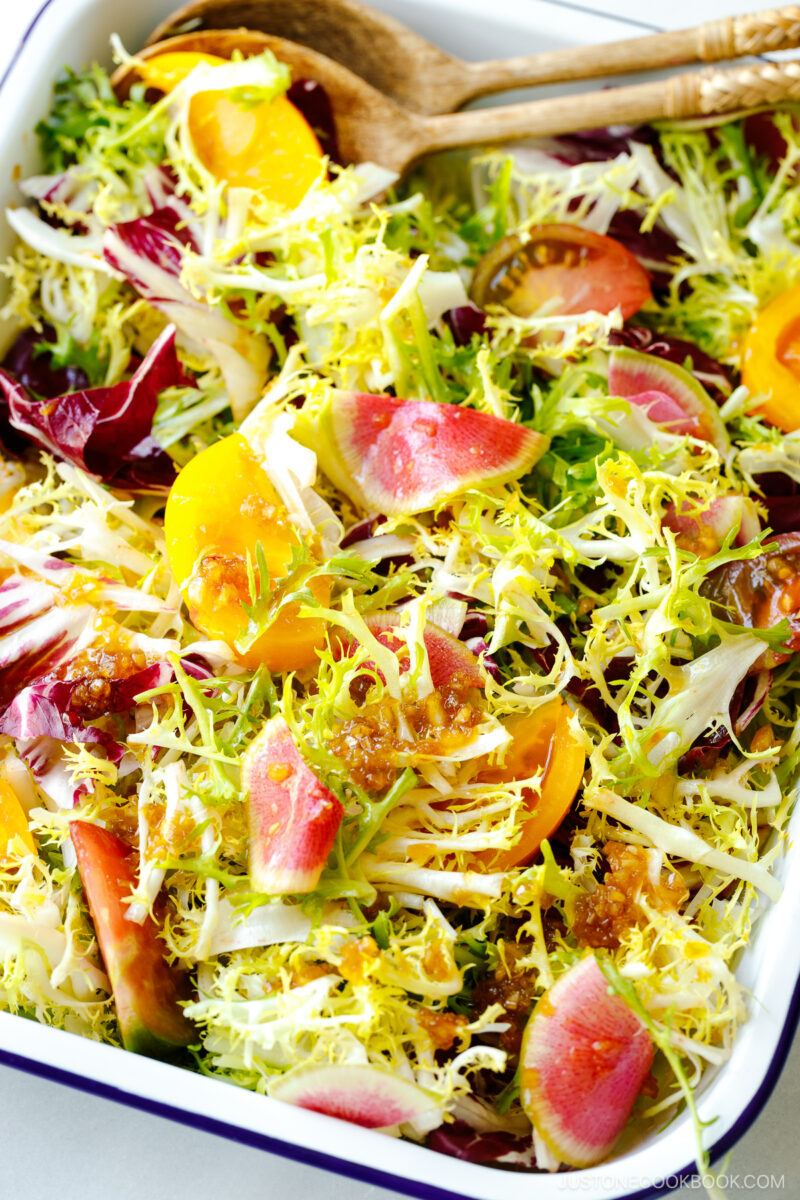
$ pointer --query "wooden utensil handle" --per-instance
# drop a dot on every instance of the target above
(695, 93)
(729, 37)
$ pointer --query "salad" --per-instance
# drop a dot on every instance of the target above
(399, 598)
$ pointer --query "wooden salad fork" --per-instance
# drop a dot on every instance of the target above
(422, 78)
(371, 127)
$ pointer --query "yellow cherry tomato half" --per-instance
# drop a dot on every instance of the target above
(269, 147)
(166, 71)
(771, 360)
(541, 741)
(220, 507)
(13, 822)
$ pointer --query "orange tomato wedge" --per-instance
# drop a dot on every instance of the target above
(13, 822)
(541, 741)
(771, 360)
(269, 147)
(221, 506)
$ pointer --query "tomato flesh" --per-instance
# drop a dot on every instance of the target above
(269, 147)
(222, 505)
(13, 822)
(583, 271)
(146, 990)
(763, 591)
(771, 360)
(542, 741)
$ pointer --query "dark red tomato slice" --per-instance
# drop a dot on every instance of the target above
(584, 271)
(762, 592)
(146, 990)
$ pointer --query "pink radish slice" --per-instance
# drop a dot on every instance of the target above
(663, 410)
(292, 817)
(404, 456)
(448, 657)
(584, 1058)
(671, 396)
(718, 519)
(362, 1094)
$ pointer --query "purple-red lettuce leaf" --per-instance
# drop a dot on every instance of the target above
(475, 624)
(783, 513)
(87, 697)
(106, 430)
(460, 1140)
(362, 530)
(30, 362)
(480, 648)
(312, 100)
(38, 645)
(42, 732)
(50, 714)
(149, 251)
(762, 136)
(465, 323)
(656, 250)
(21, 599)
(599, 145)
(36, 712)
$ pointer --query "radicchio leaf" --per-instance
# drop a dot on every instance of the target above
(362, 530)
(313, 101)
(599, 145)
(33, 646)
(763, 136)
(655, 250)
(32, 366)
(88, 697)
(35, 712)
(51, 714)
(149, 251)
(460, 1140)
(41, 731)
(783, 513)
(106, 430)
(22, 599)
(465, 322)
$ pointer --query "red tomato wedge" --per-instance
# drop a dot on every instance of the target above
(146, 990)
(582, 271)
(542, 741)
(761, 592)
(13, 821)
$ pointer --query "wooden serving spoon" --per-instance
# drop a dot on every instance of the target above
(372, 128)
(421, 77)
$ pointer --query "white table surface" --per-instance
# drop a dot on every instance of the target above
(57, 1142)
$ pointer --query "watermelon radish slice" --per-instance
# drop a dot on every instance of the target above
(402, 456)
(292, 817)
(713, 524)
(361, 1093)
(447, 655)
(584, 1058)
(668, 393)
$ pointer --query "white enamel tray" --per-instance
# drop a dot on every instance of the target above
(73, 32)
